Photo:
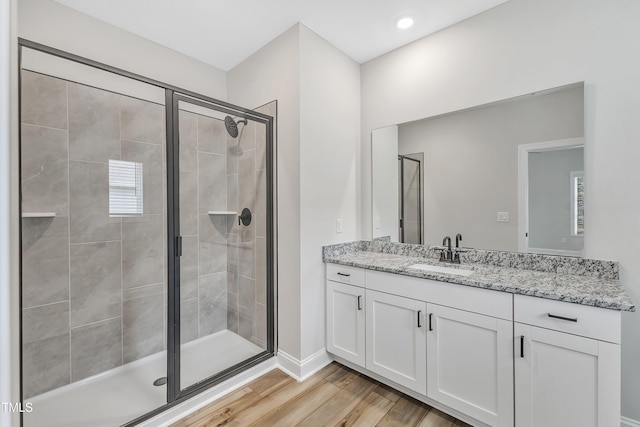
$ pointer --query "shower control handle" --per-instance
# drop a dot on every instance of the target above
(245, 217)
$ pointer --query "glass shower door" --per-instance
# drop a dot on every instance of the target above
(222, 238)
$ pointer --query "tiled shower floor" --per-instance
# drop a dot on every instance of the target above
(125, 393)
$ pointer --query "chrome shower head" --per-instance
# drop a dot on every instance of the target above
(232, 125)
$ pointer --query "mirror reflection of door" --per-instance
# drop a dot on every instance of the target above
(409, 198)
(555, 199)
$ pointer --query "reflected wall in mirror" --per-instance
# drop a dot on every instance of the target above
(384, 163)
(472, 179)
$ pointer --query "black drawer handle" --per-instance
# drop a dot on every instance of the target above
(568, 319)
(359, 302)
(431, 321)
(343, 274)
(419, 316)
(521, 345)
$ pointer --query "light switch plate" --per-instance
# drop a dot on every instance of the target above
(503, 216)
(339, 225)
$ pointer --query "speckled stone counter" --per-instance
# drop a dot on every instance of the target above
(575, 280)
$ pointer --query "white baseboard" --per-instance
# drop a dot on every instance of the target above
(181, 410)
(628, 422)
(303, 369)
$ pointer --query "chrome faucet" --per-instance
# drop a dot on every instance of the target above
(447, 255)
(456, 256)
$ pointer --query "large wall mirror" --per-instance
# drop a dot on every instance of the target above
(508, 176)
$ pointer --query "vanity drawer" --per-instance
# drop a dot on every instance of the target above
(587, 321)
(344, 274)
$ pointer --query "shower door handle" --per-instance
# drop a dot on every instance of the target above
(179, 246)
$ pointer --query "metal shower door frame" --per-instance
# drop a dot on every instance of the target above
(174, 389)
(402, 159)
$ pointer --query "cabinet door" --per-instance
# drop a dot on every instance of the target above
(396, 339)
(470, 364)
(565, 380)
(345, 322)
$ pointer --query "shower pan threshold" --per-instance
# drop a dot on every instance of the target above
(124, 393)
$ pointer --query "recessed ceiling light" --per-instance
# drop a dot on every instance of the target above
(404, 22)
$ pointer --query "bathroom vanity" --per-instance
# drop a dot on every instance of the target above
(503, 339)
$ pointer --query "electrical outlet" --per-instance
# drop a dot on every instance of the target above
(503, 216)
(339, 225)
(378, 223)
(564, 240)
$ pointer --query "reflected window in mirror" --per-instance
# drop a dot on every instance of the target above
(577, 203)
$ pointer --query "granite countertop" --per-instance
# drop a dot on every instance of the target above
(579, 289)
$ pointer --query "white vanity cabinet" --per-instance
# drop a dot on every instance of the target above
(470, 363)
(490, 358)
(346, 314)
(397, 340)
(567, 364)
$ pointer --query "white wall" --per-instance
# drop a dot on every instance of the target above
(317, 88)
(9, 289)
(329, 170)
(471, 162)
(520, 47)
(55, 25)
(384, 182)
(274, 73)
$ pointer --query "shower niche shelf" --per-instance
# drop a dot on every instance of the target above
(222, 213)
(38, 214)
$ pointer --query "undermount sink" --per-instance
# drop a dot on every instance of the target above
(441, 269)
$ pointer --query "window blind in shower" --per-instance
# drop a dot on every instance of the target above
(125, 188)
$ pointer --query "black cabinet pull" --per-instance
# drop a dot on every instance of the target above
(419, 323)
(343, 274)
(431, 321)
(359, 302)
(521, 345)
(568, 319)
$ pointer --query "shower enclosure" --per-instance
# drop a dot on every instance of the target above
(147, 241)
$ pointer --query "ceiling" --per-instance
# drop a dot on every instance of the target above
(223, 33)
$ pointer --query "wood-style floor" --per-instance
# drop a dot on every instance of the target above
(335, 396)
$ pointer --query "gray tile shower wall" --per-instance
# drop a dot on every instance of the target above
(246, 188)
(93, 285)
(203, 188)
